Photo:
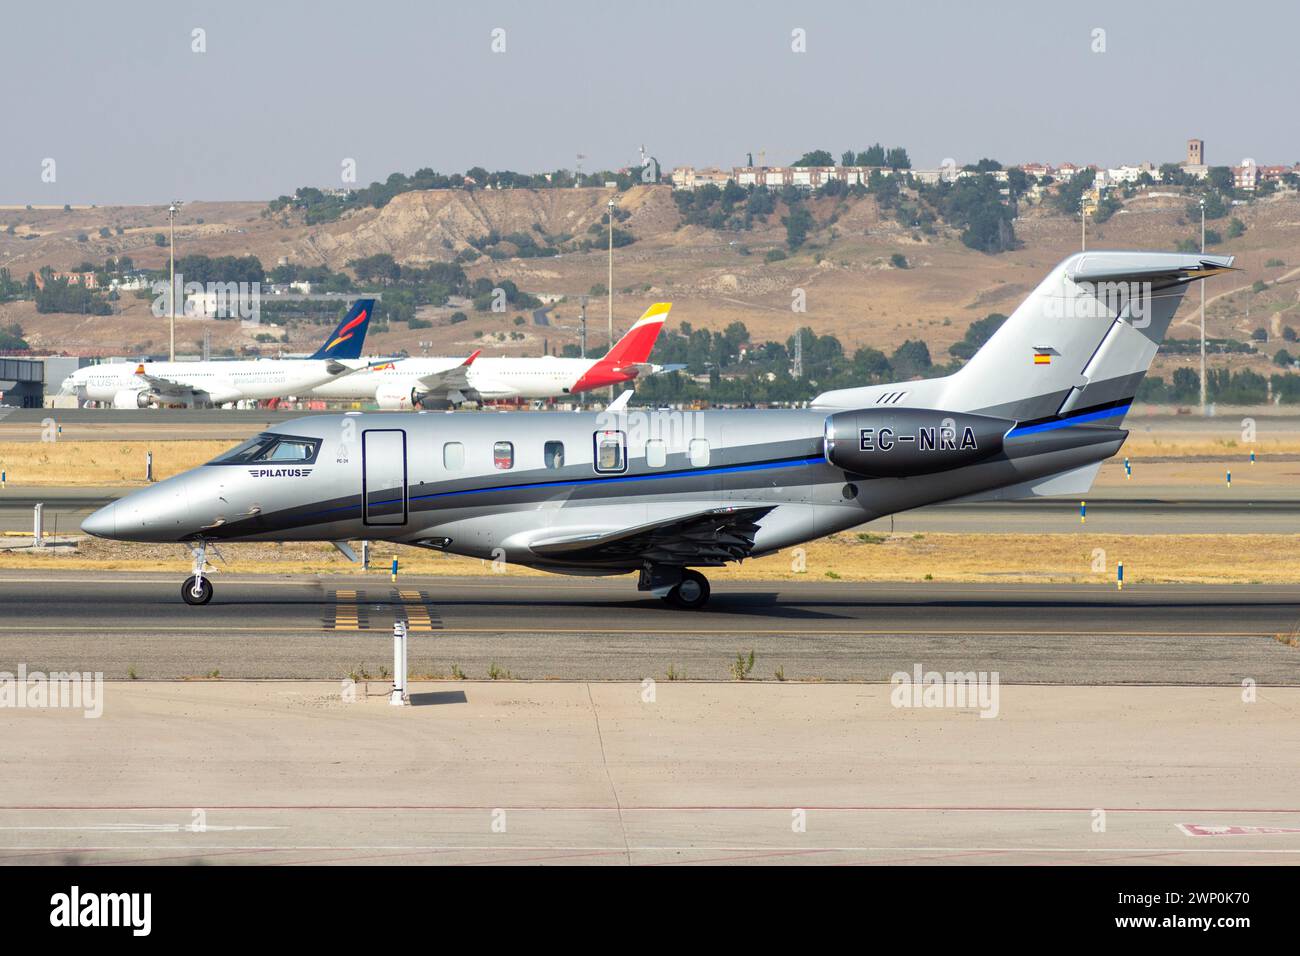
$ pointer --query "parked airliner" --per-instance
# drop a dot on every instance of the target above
(1034, 412)
(412, 382)
(145, 384)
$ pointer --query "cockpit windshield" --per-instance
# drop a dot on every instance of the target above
(271, 447)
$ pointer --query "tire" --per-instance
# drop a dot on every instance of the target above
(192, 596)
(692, 593)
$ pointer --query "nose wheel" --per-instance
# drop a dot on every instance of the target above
(196, 590)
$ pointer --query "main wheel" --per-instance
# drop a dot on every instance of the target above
(194, 591)
(692, 593)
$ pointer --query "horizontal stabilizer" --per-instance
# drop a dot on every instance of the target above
(1075, 482)
(1109, 267)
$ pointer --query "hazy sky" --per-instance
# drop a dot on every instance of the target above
(287, 90)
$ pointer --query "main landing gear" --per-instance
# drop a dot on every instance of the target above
(197, 589)
(678, 587)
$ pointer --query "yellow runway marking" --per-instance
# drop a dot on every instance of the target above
(346, 613)
(417, 611)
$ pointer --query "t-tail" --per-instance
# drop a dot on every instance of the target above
(1068, 360)
(1074, 351)
(346, 340)
(630, 355)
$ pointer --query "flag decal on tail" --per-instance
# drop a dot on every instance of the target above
(1043, 355)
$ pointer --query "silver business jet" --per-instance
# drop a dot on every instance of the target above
(1034, 412)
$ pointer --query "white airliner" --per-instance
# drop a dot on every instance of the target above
(408, 383)
(145, 384)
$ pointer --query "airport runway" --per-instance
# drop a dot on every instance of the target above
(1146, 510)
(627, 774)
(591, 629)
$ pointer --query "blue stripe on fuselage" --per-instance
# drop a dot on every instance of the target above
(599, 480)
(1070, 420)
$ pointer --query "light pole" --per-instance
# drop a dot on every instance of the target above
(611, 275)
(1202, 311)
(582, 324)
(1083, 223)
(171, 282)
(610, 288)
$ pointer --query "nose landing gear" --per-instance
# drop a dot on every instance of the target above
(197, 589)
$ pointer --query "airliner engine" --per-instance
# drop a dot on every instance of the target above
(899, 442)
(133, 398)
(397, 398)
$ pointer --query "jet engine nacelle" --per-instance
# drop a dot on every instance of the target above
(898, 442)
(397, 398)
(133, 398)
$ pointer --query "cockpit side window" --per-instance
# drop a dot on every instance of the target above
(272, 447)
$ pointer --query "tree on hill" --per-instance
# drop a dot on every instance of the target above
(817, 157)
(910, 359)
(897, 158)
(380, 267)
(872, 156)
(11, 338)
(797, 225)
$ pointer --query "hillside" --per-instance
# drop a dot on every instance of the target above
(713, 277)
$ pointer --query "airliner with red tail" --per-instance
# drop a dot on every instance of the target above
(416, 382)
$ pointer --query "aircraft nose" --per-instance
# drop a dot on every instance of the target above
(102, 523)
(160, 512)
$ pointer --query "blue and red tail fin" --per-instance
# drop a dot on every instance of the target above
(346, 340)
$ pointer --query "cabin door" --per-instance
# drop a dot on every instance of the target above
(383, 476)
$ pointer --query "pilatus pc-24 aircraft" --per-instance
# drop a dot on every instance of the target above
(142, 384)
(1034, 412)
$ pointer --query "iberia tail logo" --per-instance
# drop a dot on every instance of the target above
(623, 362)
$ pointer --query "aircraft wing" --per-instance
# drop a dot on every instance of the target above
(454, 379)
(164, 386)
(709, 538)
(338, 370)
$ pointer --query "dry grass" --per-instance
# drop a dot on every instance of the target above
(1042, 558)
(1175, 444)
(101, 463)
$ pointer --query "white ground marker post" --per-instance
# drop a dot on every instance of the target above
(399, 697)
(38, 525)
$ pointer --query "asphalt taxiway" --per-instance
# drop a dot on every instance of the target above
(603, 629)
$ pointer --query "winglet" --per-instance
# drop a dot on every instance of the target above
(620, 403)
(139, 369)
(470, 361)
